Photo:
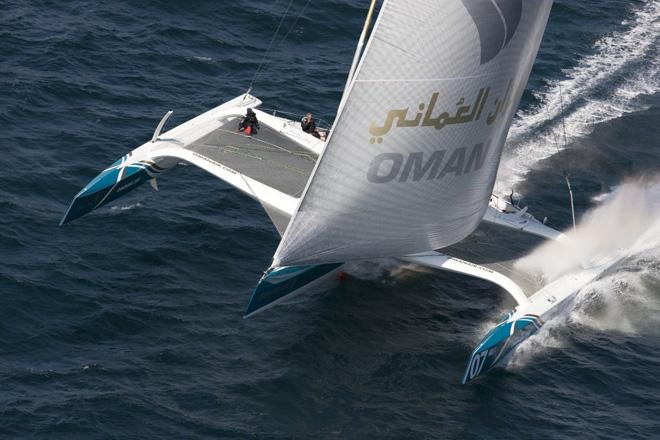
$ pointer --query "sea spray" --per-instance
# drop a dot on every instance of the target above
(626, 299)
(631, 213)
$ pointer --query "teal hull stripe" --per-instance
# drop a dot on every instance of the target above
(279, 284)
(499, 342)
(104, 189)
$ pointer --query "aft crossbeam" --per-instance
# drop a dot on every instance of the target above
(436, 260)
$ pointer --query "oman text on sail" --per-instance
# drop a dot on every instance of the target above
(387, 167)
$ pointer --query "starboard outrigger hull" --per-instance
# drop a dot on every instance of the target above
(499, 342)
(525, 320)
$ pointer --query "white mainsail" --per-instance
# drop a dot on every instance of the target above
(414, 153)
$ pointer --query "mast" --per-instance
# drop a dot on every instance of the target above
(360, 45)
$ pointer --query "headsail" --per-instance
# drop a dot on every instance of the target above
(413, 156)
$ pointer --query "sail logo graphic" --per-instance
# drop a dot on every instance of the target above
(496, 21)
(466, 111)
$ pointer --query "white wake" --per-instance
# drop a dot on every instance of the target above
(598, 89)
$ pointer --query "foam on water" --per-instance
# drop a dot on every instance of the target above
(382, 269)
(601, 87)
(624, 301)
(126, 207)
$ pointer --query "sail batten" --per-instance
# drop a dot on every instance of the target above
(414, 153)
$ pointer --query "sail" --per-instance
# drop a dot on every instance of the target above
(412, 159)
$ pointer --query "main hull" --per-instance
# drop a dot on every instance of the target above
(282, 283)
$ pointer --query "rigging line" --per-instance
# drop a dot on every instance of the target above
(320, 123)
(552, 137)
(295, 22)
(263, 59)
(566, 175)
(561, 154)
(293, 25)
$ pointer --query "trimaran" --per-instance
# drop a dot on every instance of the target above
(408, 168)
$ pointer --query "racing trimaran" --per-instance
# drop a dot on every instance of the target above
(408, 168)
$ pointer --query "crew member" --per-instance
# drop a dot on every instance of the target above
(249, 124)
(308, 125)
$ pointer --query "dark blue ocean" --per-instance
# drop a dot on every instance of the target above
(127, 324)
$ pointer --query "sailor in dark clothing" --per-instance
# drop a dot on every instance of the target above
(308, 125)
(249, 124)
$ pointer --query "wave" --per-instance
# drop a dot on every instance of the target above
(601, 87)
